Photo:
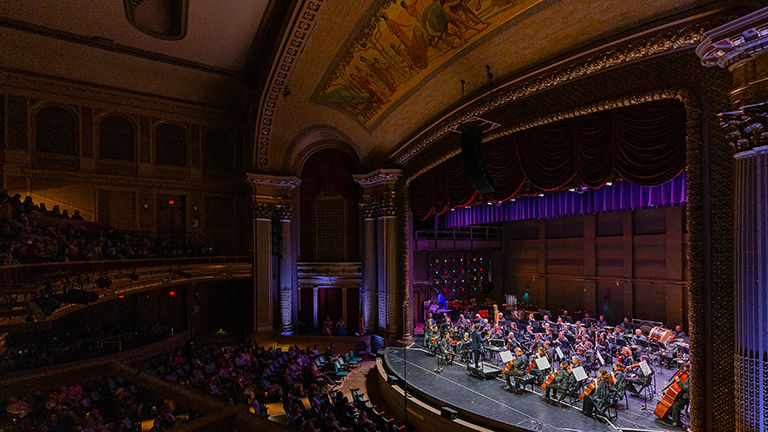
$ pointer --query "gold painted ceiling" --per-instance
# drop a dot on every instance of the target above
(399, 44)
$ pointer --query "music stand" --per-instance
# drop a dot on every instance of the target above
(506, 356)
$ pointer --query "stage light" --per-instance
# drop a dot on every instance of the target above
(609, 183)
(541, 194)
(490, 203)
(171, 202)
(513, 200)
(572, 190)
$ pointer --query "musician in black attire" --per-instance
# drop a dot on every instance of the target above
(476, 345)
(560, 382)
(683, 397)
(447, 349)
(639, 380)
(598, 400)
(519, 365)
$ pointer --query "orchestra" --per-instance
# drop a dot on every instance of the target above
(566, 344)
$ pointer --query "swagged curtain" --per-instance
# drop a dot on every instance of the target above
(642, 144)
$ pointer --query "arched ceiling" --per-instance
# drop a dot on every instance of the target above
(379, 71)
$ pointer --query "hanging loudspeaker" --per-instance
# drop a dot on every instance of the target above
(472, 149)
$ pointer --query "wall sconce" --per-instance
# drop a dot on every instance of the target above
(194, 208)
(146, 206)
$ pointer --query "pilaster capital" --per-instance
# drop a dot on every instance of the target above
(262, 209)
(381, 206)
(747, 127)
(735, 41)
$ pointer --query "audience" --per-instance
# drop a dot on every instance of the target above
(254, 375)
(105, 404)
(28, 234)
(68, 343)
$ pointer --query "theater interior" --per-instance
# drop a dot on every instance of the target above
(383, 215)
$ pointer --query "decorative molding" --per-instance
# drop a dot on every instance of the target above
(664, 42)
(297, 36)
(284, 211)
(746, 128)
(384, 207)
(379, 177)
(329, 274)
(258, 179)
(735, 41)
(262, 209)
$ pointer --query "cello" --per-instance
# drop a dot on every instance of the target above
(671, 393)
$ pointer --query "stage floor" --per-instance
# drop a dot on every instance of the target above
(526, 410)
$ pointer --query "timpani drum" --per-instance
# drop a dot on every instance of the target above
(660, 334)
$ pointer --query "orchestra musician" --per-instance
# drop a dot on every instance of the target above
(427, 332)
(515, 370)
(447, 349)
(619, 383)
(601, 321)
(464, 348)
(597, 401)
(566, 318)
(559, 382)
(638, 379)
(539, 374)
(626, 356)
(625, 326)
(683, 397)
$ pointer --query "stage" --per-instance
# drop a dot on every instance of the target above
(486, 404)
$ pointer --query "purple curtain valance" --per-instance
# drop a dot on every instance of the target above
(620, 196)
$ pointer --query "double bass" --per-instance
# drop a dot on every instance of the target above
(671, 393)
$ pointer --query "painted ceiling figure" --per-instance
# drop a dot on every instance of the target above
(381, 71)
(415, 45)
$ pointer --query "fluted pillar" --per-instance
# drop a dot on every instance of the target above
(287, 269)
(369, 299)
(739, 47)
(381, 292)
(271, 202)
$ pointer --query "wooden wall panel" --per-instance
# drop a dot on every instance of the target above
(616, 264)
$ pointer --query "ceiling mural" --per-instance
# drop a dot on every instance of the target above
(399, 44)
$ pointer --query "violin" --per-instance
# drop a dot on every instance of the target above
(671, 393)
(592, 386)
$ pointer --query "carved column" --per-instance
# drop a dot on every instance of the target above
(738, 46)
(382, 300)
(262, 265)
(272, 196)
(288, 290)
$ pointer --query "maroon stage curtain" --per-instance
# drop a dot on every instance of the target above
(642, 144)
(444, 186)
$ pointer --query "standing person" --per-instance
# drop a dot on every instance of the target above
(476, 345)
